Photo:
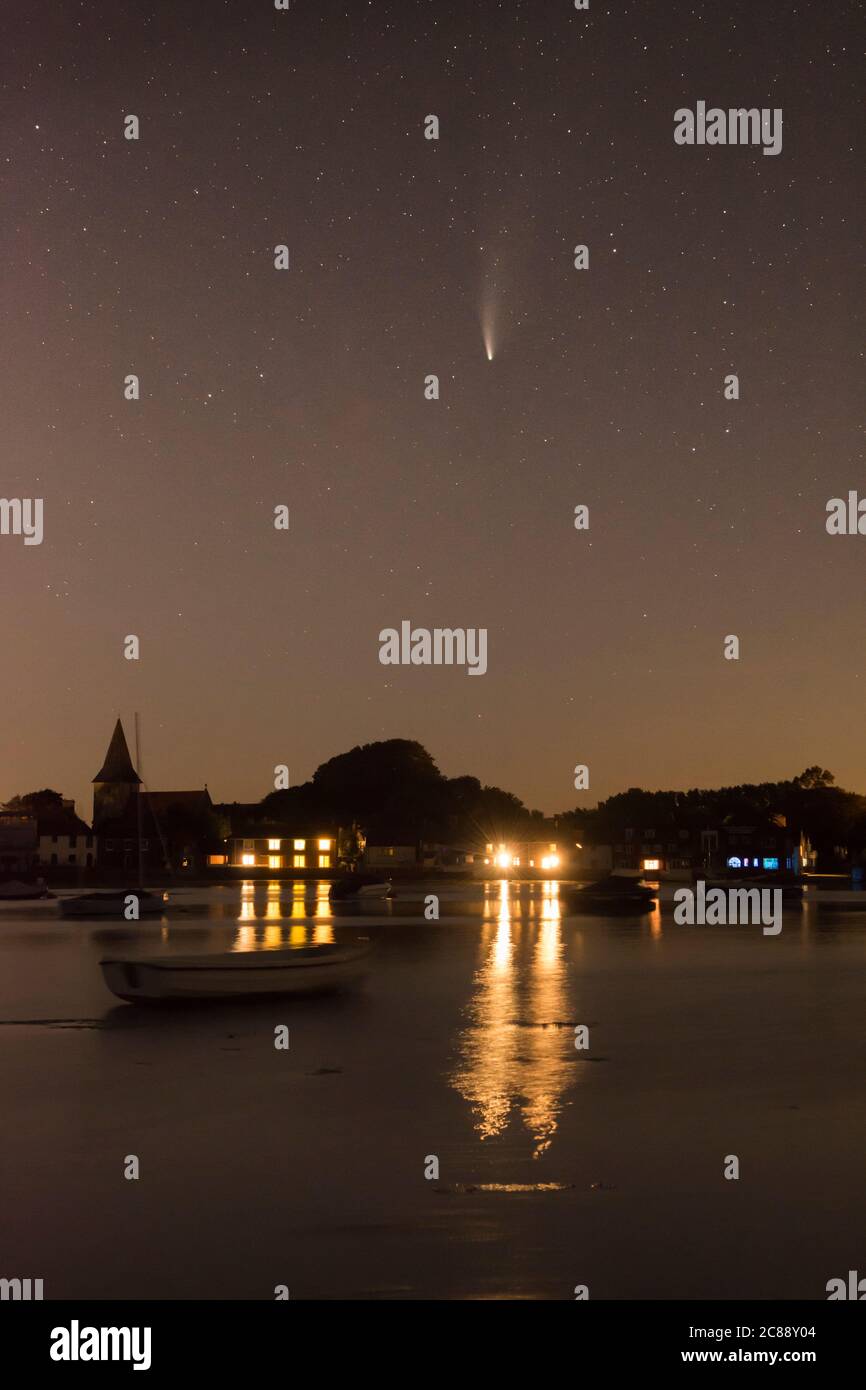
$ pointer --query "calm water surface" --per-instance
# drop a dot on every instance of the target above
(557, 1167)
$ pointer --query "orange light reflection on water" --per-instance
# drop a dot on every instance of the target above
(516, 1048)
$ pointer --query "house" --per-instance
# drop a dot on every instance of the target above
(162, 828)
(64, 838)
(522, 857)
(767, 844)
(677, 852)
(259, 846)
(19, 844)
(671, 851)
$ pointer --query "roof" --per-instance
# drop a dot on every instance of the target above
(118, 764)
(190, 801)
(62, 823)
(270, 830)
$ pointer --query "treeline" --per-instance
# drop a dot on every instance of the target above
(395, 792)
(811, 802)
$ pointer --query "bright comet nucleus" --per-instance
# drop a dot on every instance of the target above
(487, 328)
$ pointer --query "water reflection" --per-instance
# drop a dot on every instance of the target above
(269, 921)
(515, 1063)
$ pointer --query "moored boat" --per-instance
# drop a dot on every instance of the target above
(113, 903)
(612, 896)
(16, 891)
(298, 970)
(359, 886)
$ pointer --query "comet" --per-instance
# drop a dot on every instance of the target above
(488, 329)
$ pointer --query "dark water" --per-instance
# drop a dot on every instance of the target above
(557, 1166)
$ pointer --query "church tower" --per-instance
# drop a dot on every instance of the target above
(116, 784)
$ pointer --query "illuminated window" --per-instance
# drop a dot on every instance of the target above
(216, 858)
(248, 859)
(489, 849)
(275, 861)
(735, 862)
(273, 844)
(299, 844)
(300, 861)
(553, 849)
(772, 862)
(324, 861)
(324, 844)
(651, 865)
(515, 862)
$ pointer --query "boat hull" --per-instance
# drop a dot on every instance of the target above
(251, 975)
(607, 905)
(110, 907)
(342, 892)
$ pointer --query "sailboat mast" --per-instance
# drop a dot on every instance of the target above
(138, 803)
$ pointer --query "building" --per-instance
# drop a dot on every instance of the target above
(276, 847)
(64, 838)
(520, 857)
(389, 856)
(173, 829)
(594, 861)
(671, 852)
(19, 844)
(770, 846)
(679, 852)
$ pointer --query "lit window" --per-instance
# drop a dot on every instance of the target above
(652, 865)
(489, 849)
(772, 862)
(275, 861)
(324, 861)
(300, 861)
(553, 849)
(735, 862)
(273, 844)
(216, 859)
(515, 862)
(248, 859)
(324, 844)
(299, 844)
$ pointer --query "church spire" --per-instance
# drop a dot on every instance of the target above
(118, 764)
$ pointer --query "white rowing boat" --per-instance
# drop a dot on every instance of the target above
(236, 975)
(114, 904)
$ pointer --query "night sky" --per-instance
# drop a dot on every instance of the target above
(306, 388)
